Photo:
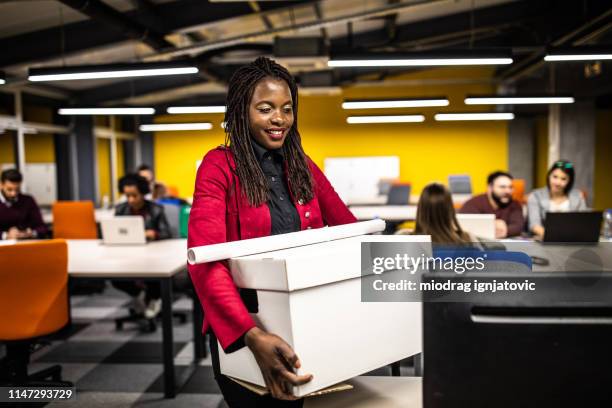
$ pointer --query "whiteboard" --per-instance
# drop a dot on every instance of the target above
(38, 181)
(357, 178)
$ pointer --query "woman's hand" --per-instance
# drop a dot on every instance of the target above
(276, 360)
(150, 234)
(538, 232)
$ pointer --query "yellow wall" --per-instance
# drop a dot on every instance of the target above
(428, 151)
(7, 148)
(39, 147)
(103, 157)
(603, 165)
(104, 171)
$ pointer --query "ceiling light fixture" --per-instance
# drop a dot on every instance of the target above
(517, 100)
(385, 119)
(106, 111)
(109, 71)
(427, 59)
(399, 103)
(196, 109)
(442, 117)
(166, 127)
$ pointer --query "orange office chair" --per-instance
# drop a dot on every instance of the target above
(172, 191)
(518, 190)
(74, 220)
(33, 303)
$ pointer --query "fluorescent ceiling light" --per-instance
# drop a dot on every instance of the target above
(406, 103)
(579, 53)
(165, 127)
(196, 109)
(106, 111)
(385, 119)
(417, 62)
(109, 71)
(517, 100)
(473, 116)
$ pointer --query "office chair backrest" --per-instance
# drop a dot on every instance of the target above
(399, 194)
(74, 220)
(184, 220)
(460, 184)
(172, 191)
(518, 190)
(33, 289)
(172, 215)
(495, 260)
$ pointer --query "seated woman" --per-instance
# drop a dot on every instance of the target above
(557, 196)
(146, 295)
(436, 217)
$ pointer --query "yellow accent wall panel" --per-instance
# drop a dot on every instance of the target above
(603, 165)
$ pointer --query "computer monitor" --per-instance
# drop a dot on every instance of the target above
(512, 349)
(460, 184)
(572, 227)
(399, 194)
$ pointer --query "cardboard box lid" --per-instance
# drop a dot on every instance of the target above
(307, 266)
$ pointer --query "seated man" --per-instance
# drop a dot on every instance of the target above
(20, 216)
(498, 200)
(146, 294)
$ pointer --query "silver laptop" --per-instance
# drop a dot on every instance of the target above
(124, 230)
(479, 225)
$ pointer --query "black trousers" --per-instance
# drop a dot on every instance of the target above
(235, 395)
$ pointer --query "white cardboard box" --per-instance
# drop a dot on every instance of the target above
(311, 297)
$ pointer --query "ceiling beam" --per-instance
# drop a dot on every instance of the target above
(599, 24)
(100, 11)
(87, 35)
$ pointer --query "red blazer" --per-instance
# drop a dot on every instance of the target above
(219, 215)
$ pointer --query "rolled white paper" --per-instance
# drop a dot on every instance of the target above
(226, 250)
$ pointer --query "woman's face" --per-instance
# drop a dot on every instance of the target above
(558, 181)
(271, 113)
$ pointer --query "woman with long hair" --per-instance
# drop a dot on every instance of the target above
(436, 217)
(259, 183)
(559, 195)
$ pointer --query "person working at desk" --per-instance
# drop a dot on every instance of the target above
(558, 196)
(147, 295)
(436, 217)
(144, 170)
(498, 200)
(259, 183)
(20, 216)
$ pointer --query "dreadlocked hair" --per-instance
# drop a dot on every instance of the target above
(238, 136)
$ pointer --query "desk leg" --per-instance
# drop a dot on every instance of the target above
(199, 348)
(418, 365)
(167, 338)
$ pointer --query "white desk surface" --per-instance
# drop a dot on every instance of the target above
(385, 212)
(374, 392)
(99, 213)
(90, 258)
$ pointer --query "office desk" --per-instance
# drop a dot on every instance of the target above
(374, 392)
(160, 261)
(565, 257)
(385, 212)
(99, 213)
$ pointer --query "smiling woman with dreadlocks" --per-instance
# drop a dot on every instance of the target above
(259, 183)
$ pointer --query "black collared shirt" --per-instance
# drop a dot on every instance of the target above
(283, 214)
